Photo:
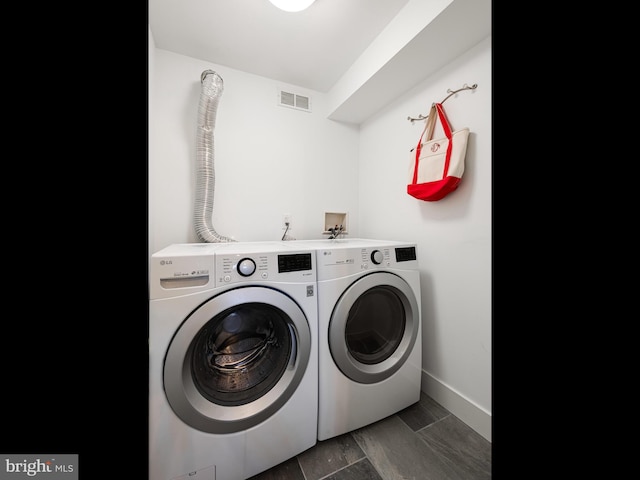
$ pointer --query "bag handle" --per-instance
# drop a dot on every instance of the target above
(447, 131)
(443, 120)
(429, 126)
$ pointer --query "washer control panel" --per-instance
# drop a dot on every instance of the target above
(240, 267)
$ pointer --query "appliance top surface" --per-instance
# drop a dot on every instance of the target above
(187, 249)
(235, 248)
(340, 243)
(274, 246)
(230, 248)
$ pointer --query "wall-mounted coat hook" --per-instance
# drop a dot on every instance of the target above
(450, 92)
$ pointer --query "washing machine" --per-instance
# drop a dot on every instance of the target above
(370, 332)
(233, 358)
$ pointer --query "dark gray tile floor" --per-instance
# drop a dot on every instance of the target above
(422, 442)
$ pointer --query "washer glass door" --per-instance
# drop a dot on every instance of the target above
(374, 327)
(237, 359)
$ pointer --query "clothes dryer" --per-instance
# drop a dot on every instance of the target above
(233, 359)
(370, 332)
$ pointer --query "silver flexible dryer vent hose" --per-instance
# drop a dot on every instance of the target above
(212, 87)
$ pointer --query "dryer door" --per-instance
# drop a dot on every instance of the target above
(237, 359)
(374, 327)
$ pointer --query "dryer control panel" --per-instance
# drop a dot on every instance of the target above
(341, 262)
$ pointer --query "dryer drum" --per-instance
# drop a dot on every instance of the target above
(370, 337)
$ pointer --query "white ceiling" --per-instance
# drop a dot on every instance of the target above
(310, 49)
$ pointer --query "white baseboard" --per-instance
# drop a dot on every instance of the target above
(463, 408)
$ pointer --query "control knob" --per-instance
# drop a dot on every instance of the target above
(246, 267)
(376, 257)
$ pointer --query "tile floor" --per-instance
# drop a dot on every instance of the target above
(422, 442)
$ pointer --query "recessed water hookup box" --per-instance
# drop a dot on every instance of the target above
(334, 220)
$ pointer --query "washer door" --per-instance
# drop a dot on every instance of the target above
(237, 359)
(374, 327)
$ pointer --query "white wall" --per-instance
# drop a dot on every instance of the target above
(453, 234)
(150, 143)
(271, 160)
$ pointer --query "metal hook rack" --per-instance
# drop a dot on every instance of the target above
(450, 92)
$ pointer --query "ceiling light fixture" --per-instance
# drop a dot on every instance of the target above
(292, 5)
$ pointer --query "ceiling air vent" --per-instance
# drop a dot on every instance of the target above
(294, 100)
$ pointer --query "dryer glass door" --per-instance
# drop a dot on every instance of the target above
(374, 327)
